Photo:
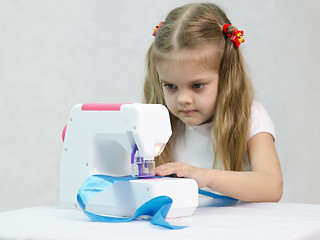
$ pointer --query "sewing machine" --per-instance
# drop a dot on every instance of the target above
(118, 140)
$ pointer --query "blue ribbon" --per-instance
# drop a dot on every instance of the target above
(157, 207)
(214, 195)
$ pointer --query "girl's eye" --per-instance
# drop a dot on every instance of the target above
(170, 86)
(197, 85)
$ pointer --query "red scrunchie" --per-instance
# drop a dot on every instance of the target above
(156, 29)
(236, 37)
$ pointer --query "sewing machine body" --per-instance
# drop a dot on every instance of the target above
(100, 138)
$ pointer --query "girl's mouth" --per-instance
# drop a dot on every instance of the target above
(188, 112)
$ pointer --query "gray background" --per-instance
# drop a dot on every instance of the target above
(57, 53)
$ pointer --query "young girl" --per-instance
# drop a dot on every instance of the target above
(221, 137)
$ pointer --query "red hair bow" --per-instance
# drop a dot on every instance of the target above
(236, 36)
(156, 29)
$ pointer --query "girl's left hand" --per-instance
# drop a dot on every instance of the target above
(182, 169)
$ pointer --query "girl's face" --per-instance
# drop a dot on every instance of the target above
(190, 90)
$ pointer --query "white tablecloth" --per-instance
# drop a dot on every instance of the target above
(241, 221)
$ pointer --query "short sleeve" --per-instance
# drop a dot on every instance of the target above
(260, 121)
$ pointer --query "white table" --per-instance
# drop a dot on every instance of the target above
(241, 221)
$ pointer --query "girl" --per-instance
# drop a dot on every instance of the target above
(221, 137)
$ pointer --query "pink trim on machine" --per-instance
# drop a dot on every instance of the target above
(64, 132)
(101, 106)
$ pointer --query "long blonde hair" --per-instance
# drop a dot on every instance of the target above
(191, 27)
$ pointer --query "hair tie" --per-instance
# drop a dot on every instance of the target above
(236, 36)
(156, 29)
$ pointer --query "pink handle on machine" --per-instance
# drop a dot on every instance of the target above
(101, 107)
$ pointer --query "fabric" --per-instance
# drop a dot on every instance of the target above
(157, 207)
(193, 143)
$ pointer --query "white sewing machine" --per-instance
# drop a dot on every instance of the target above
(118, 140)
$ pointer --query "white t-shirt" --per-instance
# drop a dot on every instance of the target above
(193, 143)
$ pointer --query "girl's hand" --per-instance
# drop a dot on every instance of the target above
(182, 169)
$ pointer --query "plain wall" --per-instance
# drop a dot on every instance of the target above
(57, 53)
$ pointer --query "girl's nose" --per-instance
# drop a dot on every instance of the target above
(184, 97)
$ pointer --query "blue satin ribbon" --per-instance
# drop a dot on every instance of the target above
(214, 195)
(157, 207)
